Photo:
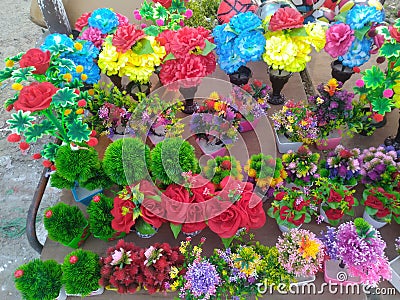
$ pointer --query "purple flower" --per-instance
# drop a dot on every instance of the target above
(380, 168)
(342, 171)
(329, 240)
(202, 279)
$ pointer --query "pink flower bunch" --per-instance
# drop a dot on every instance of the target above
(339, 38)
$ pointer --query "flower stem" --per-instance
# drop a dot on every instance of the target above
(48, 113)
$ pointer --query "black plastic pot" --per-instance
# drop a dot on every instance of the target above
(340, 72)
(241, 76)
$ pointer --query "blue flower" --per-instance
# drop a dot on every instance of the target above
(361, 15)
(358, 53)
(89, 50)
(221, 35)
(250, 45)
(230, 62)
(104, 19)
(244, 22)
(57, 39)
(202, 279)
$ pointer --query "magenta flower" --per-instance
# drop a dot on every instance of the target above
(360, 83)
(388, 93)
(339, 38)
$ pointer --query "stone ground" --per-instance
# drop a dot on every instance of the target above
(19, 174)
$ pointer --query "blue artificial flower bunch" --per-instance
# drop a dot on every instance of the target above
(104, 19)
(239, 41)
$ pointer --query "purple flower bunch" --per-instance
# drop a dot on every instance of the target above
(329, 240)
(378, 166)
(397, 244)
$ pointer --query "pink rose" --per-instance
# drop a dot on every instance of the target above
(339, 38)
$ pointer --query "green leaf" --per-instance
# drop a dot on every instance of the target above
(208, 48)
(78, 131)
(298, 32)
(49, 151)
(147, 11)
(374, 77)
(360, 33)
(20, 120)
(382, 105)
(64, 97)
(178, 5)
(15, 58)
(22, 74)
(35, 132)
(383, 30)
(227, 241)
(6, 73)
(390, 50)
(175, 229)
(143, 47)
(371, 211)
(66, 63)
(342, 17)
(11, 101)
(152, 30)
(161, 12)
(144, 228)
(397, 23)
(169, 57)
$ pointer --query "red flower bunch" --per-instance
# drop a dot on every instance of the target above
(286, 18)
(381, 204)
(122, 267)
(126, 36)
(157, 266)
(291, 207)
(189, 55)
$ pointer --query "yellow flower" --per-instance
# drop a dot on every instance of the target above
(67, 112)
(291, 119)
(218, 105)
(309, 248)
(78, 46)
(320, 100)
(280, 51)
(174, 272)
(214, 96)
(174, 286)
(67, 76)
(84, 77)
(316, 35)
(110, 61)
(91, 92)
(263, 182)
(17, 86)
(252, 173)
(9, 63)
(79, 69)
(79, 111)
(197, 250)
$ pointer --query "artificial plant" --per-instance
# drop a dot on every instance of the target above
(222, 166)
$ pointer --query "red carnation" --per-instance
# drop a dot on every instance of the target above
(82, 21)
(373, 202)
(279, 196)
(286, 18)
(126, 36)
(381, 213)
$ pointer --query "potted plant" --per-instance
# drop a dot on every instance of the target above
(170, 158)
(301, 253)
(100, 217)
(332, 108)
(381, 206)
(239, 42)
(287, 47)
(66, 224)
(81, 274)
(220, 167)
(394, 266)
(39, 279)
(294, 125)
(360, 249)
(121, 268)
(342, 166)
(259, 91)
(290, 208)
(301, 166)
(126, 161)
(266, 173)
(335, 200)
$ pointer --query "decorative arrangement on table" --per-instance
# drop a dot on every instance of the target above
(301, 166)
(220, 167)
(259, 91)
(294, 125)
(239, 42)
(266, 173)
(342, 166)
(189, 58)
(288, 45)
(332, 109)
(359, 251)
(381, 206)
(335, 200)
(291, 208)
(353, 38)
(216, 124)
(301, 253)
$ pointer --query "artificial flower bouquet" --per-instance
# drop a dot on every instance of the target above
(301, 166)
(265, 172)
(332, 107)
(342, 166)
(239, 41)
(259, 91)
(382, 205)
(362, 249)
(297, 122)
(289, 42)
(335, 199)
(300, 252)
(291, 207)
(220, 167)
(353, 37)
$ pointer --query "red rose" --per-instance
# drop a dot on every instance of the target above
(255, 215)
(297, 222)
(373, 202)
(82, 21)
(227, 223)
(334, 214)
(152, 210)
(285, 18)
(383, 212)
(349, 199)
(176, 201)
(126, 36)
(36, 58)
(195, 218)
(165, 3)
(36, 96)
(279, 196)
(123, 215)
(201, 188)
(394, 33)
(334, 196)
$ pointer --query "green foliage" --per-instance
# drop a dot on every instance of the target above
(64, 97)
(64, 222)
(360, 120)
(20, 121)
(125, 161)
(81, 275)
(78, 131)
(100, 216)
(99, 180)
(41, 280)
(172, 157)
(204, 13)
(60, 182)
(216, 169)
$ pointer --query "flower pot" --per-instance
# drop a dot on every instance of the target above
(323, 214)
(374, 223)
(395, 268)
(303, 280)
(188, 95)
(241, 76)
(83, 195)
(99, 291)
(334, 273)
(333, 139)
(283, 228)
(284, 145)
(211, 149)
(192, 234)
(245, 126)
(278, 80)
(132, 88)
(78, 241)
(145, 230)
(340, 72)
(61, 295)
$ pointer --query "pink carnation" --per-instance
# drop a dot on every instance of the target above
(122, 20)
(82, 21)
(126, 36)
(388, 93)
(339, 38)
(94, 35)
